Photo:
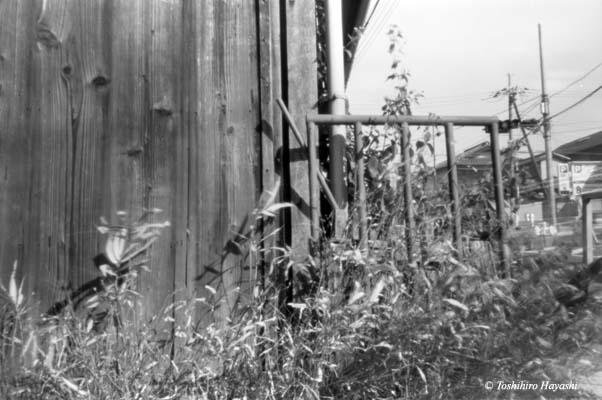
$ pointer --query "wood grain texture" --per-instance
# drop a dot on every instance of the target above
(227, 182)
(18, 103)
(187, 196)
(128, 108)
(110, 105)
(52, 156)
(163, 171)
(128, 159)
(301, 71)
(270, 90)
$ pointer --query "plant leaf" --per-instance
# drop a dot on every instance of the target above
(271, 210)
(14, 292)
(378, 288)
(456, 303)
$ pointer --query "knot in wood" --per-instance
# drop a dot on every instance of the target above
(46, 37)
(100, 81)
(164, 107)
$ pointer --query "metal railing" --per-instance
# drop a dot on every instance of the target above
(358, 121)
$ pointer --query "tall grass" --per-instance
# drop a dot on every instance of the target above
(371, 338)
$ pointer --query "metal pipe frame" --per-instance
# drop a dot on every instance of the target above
(360, 188)
(588, 231)
(314, 168)
(407, 191)
(450, 146)
(498, 186)
(448, 122)
(328, 119)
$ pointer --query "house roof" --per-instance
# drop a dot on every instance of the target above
(587, 148)
(480, 156)
(475, 156)
(541, 156)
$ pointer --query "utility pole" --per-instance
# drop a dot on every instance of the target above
(513, 185)
(545, 111)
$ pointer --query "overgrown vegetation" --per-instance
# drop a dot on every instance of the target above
(455, 328)
(363, 323)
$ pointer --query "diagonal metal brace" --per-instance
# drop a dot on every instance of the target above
(321, 179)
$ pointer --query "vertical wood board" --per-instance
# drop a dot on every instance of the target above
(301, 70)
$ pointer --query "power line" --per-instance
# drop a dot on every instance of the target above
(528, 110)
(578, 80)
(588, 73)
(536, 97)
(371, 14)
(371, 35)
(539, 125)
(576, 103)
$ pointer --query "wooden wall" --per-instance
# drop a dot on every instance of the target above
(110, 105)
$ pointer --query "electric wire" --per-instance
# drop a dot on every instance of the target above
(588, 73)
(372, 34)
(371, 14)
(578, 80)
(576, 103)
(558, 92)
(566, 109)
(505, 110)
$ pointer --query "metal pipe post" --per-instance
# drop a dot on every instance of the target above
(588, 231)
(314, 195)
(360, 189)
(498, 186)
(407, 184)
(450, 146)
(336, 91)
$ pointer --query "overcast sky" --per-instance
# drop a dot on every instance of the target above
(459, 52)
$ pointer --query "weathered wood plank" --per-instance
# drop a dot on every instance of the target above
(128, 107)
(18, 61)
(301, 71)
(187, 198)
(270, 70)
(242, 139)
(270, 89)
(205, 213)
(129, 127)
(89, 86)
(226, 160)
(52, 141)
(162, 169)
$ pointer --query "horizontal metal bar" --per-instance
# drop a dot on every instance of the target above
(328, 119)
